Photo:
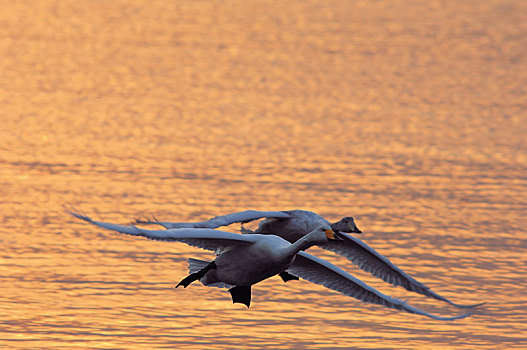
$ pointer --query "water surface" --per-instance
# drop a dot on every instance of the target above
(408, 116)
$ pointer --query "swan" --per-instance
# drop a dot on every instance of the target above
(294, 224)
(244, 260)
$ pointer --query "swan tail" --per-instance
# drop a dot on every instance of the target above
(195, 265)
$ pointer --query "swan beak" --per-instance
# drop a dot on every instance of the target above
(353, 228)
(332, 236)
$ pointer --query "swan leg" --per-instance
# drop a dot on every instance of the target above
(286, 276)
(241, 294)
(196, 275)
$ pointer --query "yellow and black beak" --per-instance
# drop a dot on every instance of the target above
(332, 236)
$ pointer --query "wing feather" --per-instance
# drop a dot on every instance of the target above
(223, 220)
(202, 238)
(322, 272)
(369, 260)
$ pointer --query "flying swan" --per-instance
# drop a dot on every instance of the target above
(244, 260)
(294, 224)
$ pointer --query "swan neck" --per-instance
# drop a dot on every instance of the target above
(301, 244)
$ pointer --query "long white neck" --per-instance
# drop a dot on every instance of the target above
(301, 244)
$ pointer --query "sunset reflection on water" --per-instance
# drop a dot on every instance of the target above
(408, 116)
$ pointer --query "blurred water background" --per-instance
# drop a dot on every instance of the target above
(409, 116)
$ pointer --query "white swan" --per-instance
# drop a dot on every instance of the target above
(245, 260)
(294, 224)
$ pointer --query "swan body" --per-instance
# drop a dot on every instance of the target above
(294, 224)
(245, 260)
(249, 264)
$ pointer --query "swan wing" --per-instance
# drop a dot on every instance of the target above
(223, 220)
(369, 260)
(202, 238)
(322, 272)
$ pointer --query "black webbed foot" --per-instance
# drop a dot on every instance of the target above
(196, 275)
(286, 276)
(188, 280)
(241, 294)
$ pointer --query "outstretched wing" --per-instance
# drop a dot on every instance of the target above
(322, 272)
(369, 260)
(202, 238)
(223, 220)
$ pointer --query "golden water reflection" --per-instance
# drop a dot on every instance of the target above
(408, 116)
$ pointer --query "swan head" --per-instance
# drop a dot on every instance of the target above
(346, 224)
(323, 234)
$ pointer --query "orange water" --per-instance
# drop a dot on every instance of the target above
(409, 116)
